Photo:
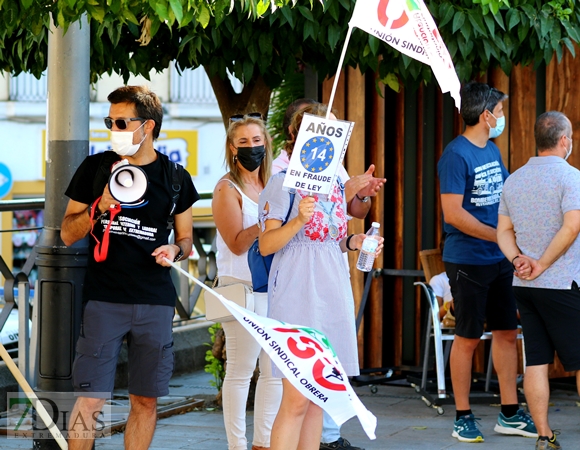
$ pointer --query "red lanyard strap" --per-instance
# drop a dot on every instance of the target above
(102, 250)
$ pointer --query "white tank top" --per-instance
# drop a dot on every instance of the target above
(229, 264)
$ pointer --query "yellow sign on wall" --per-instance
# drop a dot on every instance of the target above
(179, 145)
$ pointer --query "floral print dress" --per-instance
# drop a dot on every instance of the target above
(309, 283)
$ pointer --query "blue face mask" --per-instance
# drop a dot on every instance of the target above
(499, 126)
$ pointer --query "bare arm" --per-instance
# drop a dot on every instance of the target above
(76, 222)
(506, 237)
(276, 236)
(226, 208)
(458, 217)
(359, 187)
(183, 228)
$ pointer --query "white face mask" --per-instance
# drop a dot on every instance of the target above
(499, 126)
(122, 142)
(569, 151)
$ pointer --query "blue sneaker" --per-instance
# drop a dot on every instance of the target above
(465, 429)
(521, 424)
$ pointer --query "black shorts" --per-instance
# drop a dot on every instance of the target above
(149, 332)
(482, 294)
(550, 319)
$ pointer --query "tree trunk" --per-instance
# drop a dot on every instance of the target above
(255, 96)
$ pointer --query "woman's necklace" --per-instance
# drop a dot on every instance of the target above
(256, 190)
(332, 228)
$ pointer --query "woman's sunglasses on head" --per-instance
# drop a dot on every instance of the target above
(238, 117)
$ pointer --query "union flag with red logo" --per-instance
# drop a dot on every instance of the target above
(307, 360)
(407, 26)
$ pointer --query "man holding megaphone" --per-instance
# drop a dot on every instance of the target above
(128, 199)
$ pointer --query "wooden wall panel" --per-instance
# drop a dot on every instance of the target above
(522, 110)
(438, 152)
(355, 165)
(419, 212)
(563, 94)
(501, 81)
(339, 102)
(398, 161)
(376, 133)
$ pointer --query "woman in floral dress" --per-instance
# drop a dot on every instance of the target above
(308, 285)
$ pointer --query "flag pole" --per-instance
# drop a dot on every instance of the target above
(335, 84)
(36, 403)
(191, 277)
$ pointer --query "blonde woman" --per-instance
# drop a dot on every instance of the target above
(235, 211)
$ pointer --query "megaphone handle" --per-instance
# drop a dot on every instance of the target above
(102, 249)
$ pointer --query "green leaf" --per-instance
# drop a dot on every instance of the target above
(458, 21)
(570, 46)
(530, 11)
(374, 44)
(499, 19)
(178, 9)
(204, 15)
(130, 16)
(287, 13)
(548, 54)
(306, 13)
(161, 9)
(513, 18)
(466, 30)
(265, 42)
(333, 35)
(97, 13)
(559, 53)
(308, 30)
(490, 22)
(248, 71)
(522, 33)
(477, 23)
(392, 81)
(446, 12)
(25, 3)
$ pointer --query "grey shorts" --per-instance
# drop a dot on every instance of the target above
(148, 329)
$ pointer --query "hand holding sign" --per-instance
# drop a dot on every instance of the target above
(306, 209)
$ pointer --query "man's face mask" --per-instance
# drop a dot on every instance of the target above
(251, 157)
(499, 126)
(122, 142)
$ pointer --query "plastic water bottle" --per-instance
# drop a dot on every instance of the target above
(366, 258)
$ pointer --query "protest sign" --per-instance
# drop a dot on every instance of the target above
(318, 151)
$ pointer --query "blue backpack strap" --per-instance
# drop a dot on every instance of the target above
(292, 196)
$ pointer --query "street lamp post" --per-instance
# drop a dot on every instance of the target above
(61, 269)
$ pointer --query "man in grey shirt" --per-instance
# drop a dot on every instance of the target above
(539, 221)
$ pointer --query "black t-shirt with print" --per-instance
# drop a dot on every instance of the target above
(130, 274)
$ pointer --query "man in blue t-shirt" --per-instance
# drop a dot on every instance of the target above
(471, 176)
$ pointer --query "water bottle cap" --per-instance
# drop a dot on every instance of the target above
(376, 225)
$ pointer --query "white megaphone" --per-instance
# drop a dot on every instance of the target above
(128, 183)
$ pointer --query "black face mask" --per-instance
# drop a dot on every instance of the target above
(251, 157)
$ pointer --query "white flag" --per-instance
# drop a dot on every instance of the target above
(407, 25)
(307, 360)
(305, 357)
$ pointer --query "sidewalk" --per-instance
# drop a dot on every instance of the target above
(404, 422)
